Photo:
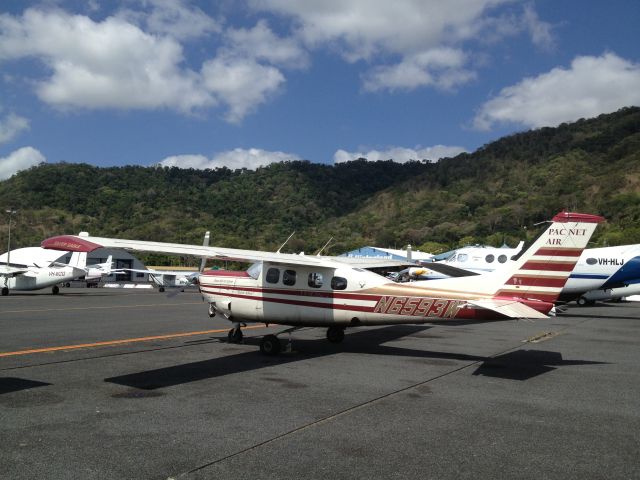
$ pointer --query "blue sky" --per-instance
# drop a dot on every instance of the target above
(246, 83)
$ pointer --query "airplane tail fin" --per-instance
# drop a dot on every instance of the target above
(538, 273)
(541, 271)
(78, 260)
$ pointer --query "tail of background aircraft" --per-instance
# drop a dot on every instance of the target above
(78, 260)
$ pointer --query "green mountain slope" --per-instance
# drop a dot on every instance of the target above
(491, 195)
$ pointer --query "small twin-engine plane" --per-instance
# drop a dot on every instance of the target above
(37, 271)
(320, 291)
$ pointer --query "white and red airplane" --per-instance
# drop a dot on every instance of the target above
(305, 290)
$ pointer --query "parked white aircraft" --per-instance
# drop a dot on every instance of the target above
(174, 279)
(96, 271)
(37, 273)
(600, 274)
(299, 290)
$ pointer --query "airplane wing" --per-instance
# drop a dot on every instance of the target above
(7, 271)
(508, 308)
(448, 270)
(371, 262)
(89, 244)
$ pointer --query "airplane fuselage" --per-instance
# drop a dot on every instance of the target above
(39, 278)
(325, 297)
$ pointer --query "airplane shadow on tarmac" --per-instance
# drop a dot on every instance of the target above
(14, 384)
(517, 365)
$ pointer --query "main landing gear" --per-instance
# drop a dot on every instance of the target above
(270, 344)
(5, 291)
(55, 289)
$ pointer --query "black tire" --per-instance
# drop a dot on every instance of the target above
(55, 290)
(335, 334)
(235, 335)
(270, 345)
(161, 289)
(5, 291)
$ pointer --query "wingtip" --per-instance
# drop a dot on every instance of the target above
(69, 243)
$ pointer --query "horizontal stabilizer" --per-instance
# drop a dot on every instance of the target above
(508, 308)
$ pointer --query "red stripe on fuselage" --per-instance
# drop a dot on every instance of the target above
(545, 297)
(300, 293)
(226, 273)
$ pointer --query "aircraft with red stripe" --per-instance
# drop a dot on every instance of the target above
(321, 291)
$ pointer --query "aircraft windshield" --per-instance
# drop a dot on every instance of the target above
(255, 270)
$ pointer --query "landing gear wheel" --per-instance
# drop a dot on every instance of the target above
(234, 335)
(55, 290)
(212, 311)
(335, 334)
(161, 289)
(270, 345)
(5, 291)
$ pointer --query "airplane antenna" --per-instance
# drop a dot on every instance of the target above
(325, 246)
(285, 242)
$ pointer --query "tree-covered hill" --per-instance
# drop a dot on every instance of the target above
(491, 195)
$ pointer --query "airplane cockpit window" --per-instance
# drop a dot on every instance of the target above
(338, 283)
(273, 275)
(315, 280)
(502, 258)
(591, 261)
(254, 270)
(462, 257)
(489, 258)
(289, 277)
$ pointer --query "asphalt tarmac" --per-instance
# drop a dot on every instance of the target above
(102, 384)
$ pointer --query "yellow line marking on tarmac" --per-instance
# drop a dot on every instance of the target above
(100, 308)
(119, 342)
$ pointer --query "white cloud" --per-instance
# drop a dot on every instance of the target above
(416, 31)
(134, 60)
(240, 83)
(540, 31)
(20, 159)
(11, 126)
(260, 43)
(251, 159)
(591, 86)
(173, 18)
(110, 64)
(400, 154)
(441, 67)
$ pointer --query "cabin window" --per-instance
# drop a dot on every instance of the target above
(592, 261)
(489, 258)
(254, 270)
(315, 280)
(289, 277)
(338, 283)
(462, 257)
(502, 258)
(273, 275)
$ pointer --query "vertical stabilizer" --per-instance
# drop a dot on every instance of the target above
(541, 272)
(78, 260)
(538, 273)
